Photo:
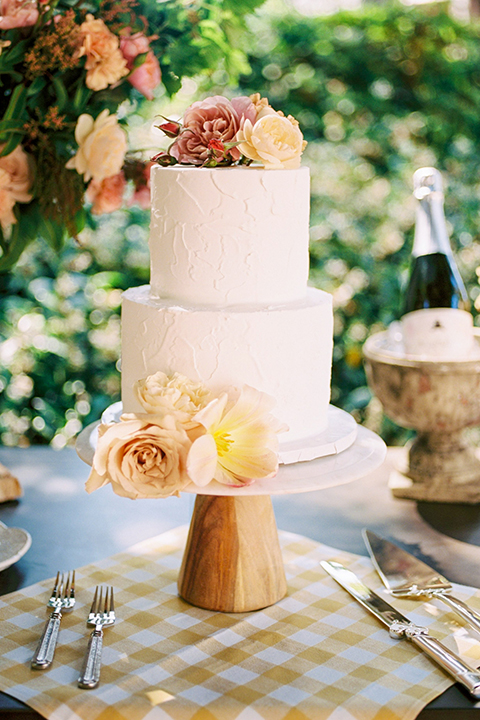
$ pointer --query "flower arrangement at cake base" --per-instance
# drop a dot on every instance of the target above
(186, 435)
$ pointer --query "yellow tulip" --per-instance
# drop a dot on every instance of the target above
(240, 442)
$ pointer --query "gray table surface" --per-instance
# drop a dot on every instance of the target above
(70, 528)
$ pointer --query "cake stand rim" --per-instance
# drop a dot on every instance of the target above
(367, 453)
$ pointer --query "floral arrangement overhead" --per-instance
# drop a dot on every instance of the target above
(186, 435)
(66, 68)
(218, 132)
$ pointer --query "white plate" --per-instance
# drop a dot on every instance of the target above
(339, 434)
(14, 543)
(365, 454)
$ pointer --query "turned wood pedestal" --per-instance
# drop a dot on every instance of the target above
(232, 561)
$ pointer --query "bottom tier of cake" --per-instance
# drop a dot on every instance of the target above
(283, 350)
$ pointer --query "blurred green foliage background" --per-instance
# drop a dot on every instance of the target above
(378, 92)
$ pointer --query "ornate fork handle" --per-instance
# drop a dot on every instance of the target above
(45, 651)
(90, 675)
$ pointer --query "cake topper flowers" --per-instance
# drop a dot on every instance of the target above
(186, 435)
(221, 132)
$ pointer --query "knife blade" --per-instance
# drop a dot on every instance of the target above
(406, 576)
(399, 626)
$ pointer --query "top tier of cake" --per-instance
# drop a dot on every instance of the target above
(229, 236)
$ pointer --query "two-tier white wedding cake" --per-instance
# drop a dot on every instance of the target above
(228, 302)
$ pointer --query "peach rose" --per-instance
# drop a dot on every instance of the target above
(7, 202)
(274, 140)
(102, 147)
(105, 63)
(17, 13)
(19, 167)
(213, 120)
(141, 456)
(174, 395)
(106, 195)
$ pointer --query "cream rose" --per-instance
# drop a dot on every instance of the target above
(274, 141)
(141, 456)
(176, 395)
(105, 64)
(102, 147)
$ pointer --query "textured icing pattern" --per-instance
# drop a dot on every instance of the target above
(228, 236)
(283, 350)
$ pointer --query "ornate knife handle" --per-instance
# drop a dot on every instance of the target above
(45, 651)
(449, 661)
(90, 675)
(460, 608)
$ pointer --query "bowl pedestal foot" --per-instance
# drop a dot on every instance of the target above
(442, 467)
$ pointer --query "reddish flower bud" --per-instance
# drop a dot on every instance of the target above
(171, 128)
(164, 159)
(216, 145)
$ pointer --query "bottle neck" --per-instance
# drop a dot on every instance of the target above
(430, 228)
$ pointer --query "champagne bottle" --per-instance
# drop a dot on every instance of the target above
(436, 320)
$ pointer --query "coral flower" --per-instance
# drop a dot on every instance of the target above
(240, 444)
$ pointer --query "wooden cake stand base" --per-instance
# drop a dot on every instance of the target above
(232, 560)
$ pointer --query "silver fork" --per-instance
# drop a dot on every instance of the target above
(61, 600)
(102, 614)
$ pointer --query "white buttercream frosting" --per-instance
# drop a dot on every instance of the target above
(228, 303)
(225, 236)
(284, 351)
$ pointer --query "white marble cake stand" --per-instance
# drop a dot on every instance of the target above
(232, 560)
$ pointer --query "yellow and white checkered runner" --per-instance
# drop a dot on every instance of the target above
(315, 655)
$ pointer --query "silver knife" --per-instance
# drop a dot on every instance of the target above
(400, 626)
(406, 576)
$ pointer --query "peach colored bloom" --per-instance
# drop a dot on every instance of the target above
(7, 202)
(17, 13)
(105, 63)
(102, 147)
(19, 167)
(215, 118)
(106, 195)
(142, 456)
(274, 140)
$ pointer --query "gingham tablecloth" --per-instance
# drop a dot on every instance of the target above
(316, 654)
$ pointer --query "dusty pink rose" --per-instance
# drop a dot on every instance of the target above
(213, 119)
(133, 45)
(17, 13)
(106, 195)
(147, 76)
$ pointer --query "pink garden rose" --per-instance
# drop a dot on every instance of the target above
(17, 13)
(209, 124)
(106, 195)
(147, 76)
